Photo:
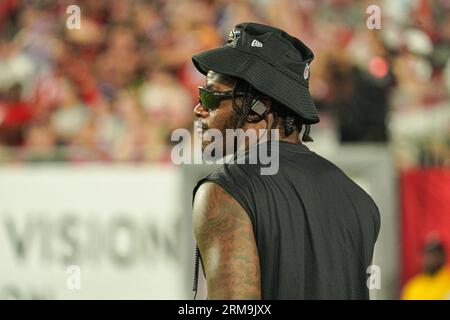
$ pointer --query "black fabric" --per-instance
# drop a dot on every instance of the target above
(314, 227)
(279, 68)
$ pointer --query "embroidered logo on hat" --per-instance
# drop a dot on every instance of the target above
(235, 33)
(306, 71)
(233, 36)
(256, 43)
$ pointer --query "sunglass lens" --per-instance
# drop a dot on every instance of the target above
(207, 99)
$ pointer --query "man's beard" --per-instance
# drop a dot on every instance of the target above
(230, 123)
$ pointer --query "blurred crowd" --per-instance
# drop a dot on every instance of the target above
(115, 89)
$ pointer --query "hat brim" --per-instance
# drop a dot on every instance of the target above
(262, 75)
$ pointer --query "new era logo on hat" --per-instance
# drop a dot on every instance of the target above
(256, 43)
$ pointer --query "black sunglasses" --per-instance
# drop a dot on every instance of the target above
(210, 99)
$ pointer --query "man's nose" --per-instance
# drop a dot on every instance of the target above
(200, 112)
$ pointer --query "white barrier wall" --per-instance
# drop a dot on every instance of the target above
(91, 232)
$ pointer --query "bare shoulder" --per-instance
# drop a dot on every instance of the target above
(213, 203)
(224, 233)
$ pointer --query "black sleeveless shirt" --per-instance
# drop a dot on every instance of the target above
(315, 228)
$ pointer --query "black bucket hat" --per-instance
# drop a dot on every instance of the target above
(269, 59)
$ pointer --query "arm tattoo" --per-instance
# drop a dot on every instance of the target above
(225, 237)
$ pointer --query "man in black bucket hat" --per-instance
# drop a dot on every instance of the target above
(307, 231)
(271, 60)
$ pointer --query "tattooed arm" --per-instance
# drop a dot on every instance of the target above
(224, 234)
